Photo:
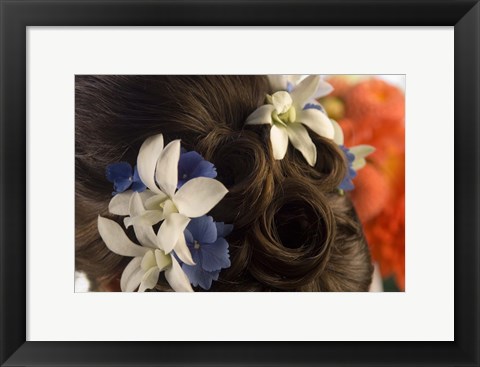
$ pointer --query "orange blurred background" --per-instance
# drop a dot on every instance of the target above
(372, 111)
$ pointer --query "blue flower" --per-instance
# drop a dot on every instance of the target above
(205, 240)
(192, 165)
(123, 177)
(347, 184)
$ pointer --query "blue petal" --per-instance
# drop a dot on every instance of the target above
(188, 237)
(204, 169)
(200, 277)
(118, 171)
(138, 186)
(314, 106)
(346, 184)
(122, 184)
(215, 255)
(289, 87)
(187, 162)
(223, 230)
(203, 229)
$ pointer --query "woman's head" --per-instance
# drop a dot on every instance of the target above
(292, 229)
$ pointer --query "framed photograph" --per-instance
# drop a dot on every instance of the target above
(241, 183)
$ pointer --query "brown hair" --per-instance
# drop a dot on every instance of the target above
(292, 229)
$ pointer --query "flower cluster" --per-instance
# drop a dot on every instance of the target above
(180, 190)
(291, 109)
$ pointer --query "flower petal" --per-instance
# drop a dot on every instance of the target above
(162, 260)
(338, 133)
(183, 252)
(323, 89)
(277, 82)
(317, 121)
(144, 233)
(203, 229)
(148, 261)
(153, 202)
(282, 101)
(116, 239)
(360, 152)
(177, 279)
(198, 196)
(167, 168)
(148, 155)
(150, 279)
(170, 230)
(120, 203)
(215, 256)
(300, 139)
(305, 91)
(200, 277)
(131, 274)
(262, 115)
(279, 141)
(118, 171)
(147, 218)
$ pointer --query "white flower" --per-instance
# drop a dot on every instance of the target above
(285, 112)
(290, 82)
(359, 151)
(158, 170)
(148, 260)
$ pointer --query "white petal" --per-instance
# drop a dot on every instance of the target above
(279, 141)
(169, 208)
(170, 230)
(120, 203)
(134, 280)
(198, 196)
(148, 155)
(148, 261)
(317, 121)
(162, 260)
(150, 279)
(277, 82)
(183, 252)
(282, 101)
(305, 91)
(131, 274)
(300, 139)
(147, 218)
(360, 152)
(177, 279)
(338, 133)
(153, 202)
(144, 233)
(323, 89)
(262, 115)
(294, 79)
(116, 239)
(167, 168)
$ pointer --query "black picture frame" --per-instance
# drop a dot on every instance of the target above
(16, 15)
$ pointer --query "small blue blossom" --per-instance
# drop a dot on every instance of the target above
(192, 165)
(315, 107)
(205, 240)
(347, 184)
(123, 177)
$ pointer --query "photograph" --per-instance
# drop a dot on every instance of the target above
(240, 183)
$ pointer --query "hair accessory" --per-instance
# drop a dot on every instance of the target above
(355, 157)
(289, 112)
(174, 209)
